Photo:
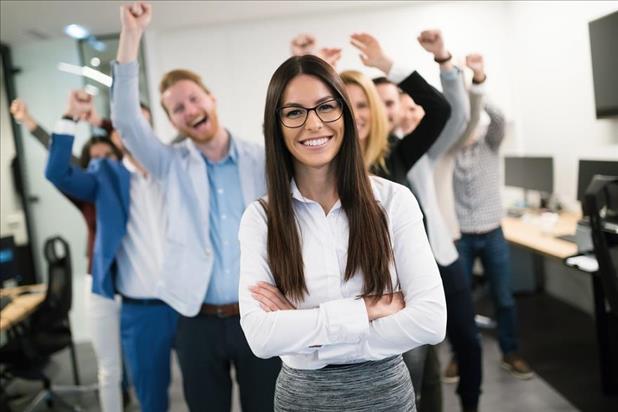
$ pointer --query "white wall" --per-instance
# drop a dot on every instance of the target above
(537, 55)
(552, 89)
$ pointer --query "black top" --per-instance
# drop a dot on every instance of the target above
(405, 152)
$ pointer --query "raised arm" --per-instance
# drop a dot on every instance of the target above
(416, 143)
(136, 132)
(19, 110)
(454, 90)
(476, 95)
(496, 130)
(437, 112)
(68, 178)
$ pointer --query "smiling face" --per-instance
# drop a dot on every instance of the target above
(192, 111)
(316, 143)
(362, 112)
(411, 114)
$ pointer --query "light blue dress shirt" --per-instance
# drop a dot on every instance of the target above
(226, 209)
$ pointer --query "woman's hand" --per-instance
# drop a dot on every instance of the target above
(387, 305)
(270, 297)
(372, 54)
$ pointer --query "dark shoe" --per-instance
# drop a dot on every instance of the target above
(513, 363)
(451, 373)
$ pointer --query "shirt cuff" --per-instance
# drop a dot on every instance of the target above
(346, 320)
(399, 72)
(64, 126)
(477, 88)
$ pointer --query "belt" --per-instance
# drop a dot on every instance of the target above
(143, 302)
(221, 311)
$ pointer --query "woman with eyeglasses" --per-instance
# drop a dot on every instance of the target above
(336, 273)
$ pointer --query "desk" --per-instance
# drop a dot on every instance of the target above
(530, 236)
(22, 305)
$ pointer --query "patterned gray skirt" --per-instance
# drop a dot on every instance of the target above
(369, 386)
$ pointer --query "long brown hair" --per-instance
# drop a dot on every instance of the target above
(369, 246)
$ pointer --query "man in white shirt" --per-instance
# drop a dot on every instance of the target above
(208, 180)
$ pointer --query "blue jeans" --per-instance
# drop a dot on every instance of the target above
(492, 249)
(147, 333)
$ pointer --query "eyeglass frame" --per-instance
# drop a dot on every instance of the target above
(310, 109)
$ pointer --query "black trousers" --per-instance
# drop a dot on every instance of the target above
(462, 331)
(207, 346)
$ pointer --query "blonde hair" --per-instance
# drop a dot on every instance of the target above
(376, 149)
(172, 77)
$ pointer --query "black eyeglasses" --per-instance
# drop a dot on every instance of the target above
(296, 116)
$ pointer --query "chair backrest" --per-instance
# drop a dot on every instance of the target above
(601, 202)
(58, 300)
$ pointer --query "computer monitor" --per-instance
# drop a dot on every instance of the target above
(588, 168)
(530, 173)
(8, 259)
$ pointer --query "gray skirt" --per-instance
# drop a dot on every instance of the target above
(369, 386)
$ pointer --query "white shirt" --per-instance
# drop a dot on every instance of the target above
(331, 325)
(140, 255)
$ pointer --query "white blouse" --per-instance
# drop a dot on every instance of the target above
(331, 326)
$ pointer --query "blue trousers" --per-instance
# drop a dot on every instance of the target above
(492, 249)
(147, 332)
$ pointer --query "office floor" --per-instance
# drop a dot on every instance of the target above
(567, 368)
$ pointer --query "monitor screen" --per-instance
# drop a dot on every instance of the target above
(530, 173)
(604, 55)
(588, 168)
(8, 257)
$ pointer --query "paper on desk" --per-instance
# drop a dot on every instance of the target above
(584, 262)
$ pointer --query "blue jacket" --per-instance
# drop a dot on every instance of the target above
(106, 184)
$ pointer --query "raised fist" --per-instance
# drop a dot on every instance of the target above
(433, 42)
(136, 16)
(302, 44)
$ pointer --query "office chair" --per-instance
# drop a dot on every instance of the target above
(48, 331)
(601, 205)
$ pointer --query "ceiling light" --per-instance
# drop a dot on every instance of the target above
(95, 62)
(76, 31)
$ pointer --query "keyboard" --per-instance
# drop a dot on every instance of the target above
(568, 238)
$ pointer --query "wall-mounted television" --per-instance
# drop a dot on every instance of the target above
(604, 54)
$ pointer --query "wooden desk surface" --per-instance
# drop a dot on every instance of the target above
(527, 232)
(22, 305)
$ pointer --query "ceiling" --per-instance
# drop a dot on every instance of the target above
(28, 21)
